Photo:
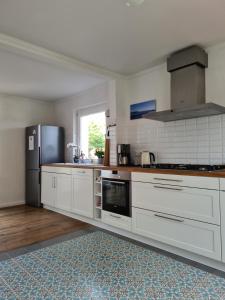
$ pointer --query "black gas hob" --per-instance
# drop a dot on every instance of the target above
(186, 167)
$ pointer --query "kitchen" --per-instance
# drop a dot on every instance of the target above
(168, 210)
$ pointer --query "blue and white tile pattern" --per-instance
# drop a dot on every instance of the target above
(101, 266)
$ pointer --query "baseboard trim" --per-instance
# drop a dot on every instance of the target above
(9, 204)
(180, 252)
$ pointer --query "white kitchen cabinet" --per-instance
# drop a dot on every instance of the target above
(63, 186)
(56, 190)
(222, 184)
(222, 204)
(193, 203)
(57, 170)
(116, 220)
(68, 189)
(48, 190)
(197, 237)
(83, 200)
(201, 182)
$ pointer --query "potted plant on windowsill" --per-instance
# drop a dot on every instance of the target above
(99, 152)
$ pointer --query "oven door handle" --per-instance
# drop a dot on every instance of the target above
(111, 181)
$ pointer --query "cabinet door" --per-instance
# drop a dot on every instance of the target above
(197, 237)
(193, 203)
(48, 190)
(222, 204)
(83, 201)
(64, 192)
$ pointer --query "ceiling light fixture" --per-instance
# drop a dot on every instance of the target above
(134, 2)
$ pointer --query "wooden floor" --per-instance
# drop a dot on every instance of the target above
(22, 225)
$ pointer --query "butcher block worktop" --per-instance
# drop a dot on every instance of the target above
(220, 173)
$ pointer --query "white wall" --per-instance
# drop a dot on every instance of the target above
(66, 109)
(191, 141)
(15, 114)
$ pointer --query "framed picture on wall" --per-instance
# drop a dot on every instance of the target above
(138, 110)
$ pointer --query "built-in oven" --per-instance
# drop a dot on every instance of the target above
(116, 195)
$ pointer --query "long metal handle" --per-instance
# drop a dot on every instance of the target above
(168, 218)
(55, 182)
(39, 157)
(167, 188)
(111, 181)
(80, 172)
(165, 179)
(116, 217)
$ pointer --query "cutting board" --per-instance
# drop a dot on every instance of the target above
(107, 152)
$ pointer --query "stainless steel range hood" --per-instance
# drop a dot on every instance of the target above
(187, 68)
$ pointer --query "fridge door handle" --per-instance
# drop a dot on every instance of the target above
(39, 156)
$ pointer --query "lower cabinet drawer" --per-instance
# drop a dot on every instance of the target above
(191, 203)
(58, 170)
(116, 220)
(194, 236)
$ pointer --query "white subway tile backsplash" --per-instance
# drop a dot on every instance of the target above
(193, 141)
(190, 124)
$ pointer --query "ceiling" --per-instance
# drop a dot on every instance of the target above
(22, 76)
(105, 34)
(108, 34)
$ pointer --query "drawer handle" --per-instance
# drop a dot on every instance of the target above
(167, 188)
(164, 179)
(168, 218)
(81, 172)
(117, 217)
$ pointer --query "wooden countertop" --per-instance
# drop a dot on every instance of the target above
(220, 174)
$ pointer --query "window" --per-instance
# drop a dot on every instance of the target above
(92, 133)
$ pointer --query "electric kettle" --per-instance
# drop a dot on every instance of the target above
(147, 158)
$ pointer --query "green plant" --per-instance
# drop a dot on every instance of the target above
(96, 136)
(99, 153)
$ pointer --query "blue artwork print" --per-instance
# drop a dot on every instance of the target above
(138, 110)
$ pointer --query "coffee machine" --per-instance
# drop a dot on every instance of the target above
(123, 154)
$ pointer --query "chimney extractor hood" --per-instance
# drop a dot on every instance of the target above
(187, 68)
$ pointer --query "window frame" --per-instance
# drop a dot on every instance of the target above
(85, 111)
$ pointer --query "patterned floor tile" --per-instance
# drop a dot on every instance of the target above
(101, 266)
(20, 281)
(5, 292)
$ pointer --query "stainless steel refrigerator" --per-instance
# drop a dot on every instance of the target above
(44, 145)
